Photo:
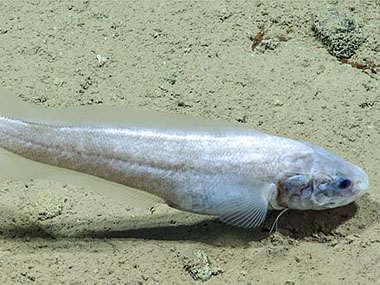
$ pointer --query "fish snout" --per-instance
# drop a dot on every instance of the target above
(361, 182)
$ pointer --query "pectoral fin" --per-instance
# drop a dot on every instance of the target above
(244, 205)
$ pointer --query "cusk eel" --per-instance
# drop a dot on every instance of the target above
(195, 165)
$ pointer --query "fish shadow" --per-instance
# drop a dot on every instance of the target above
(302, 224)
(293, 224)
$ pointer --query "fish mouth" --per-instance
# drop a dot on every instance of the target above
(362, 185)
(362, 182)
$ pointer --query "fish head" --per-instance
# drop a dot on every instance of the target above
(320, 180)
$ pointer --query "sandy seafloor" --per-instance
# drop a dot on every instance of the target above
(191, 58)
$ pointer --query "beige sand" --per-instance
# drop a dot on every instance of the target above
(192, 58)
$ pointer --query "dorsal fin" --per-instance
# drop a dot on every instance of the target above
(101, 115)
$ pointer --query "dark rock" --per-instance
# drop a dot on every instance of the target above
(338, 32)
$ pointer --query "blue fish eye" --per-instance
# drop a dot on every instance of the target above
(343, 183)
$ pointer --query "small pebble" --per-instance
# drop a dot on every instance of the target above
(101, 60)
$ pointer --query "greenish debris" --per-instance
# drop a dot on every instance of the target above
(196, 262)
(52, 209)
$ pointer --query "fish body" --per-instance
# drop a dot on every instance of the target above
(221, 169)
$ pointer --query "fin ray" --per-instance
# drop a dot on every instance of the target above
(244, 204)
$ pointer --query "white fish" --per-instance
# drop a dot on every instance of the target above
(195, 165)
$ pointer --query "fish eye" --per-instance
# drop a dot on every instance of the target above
(344, 183)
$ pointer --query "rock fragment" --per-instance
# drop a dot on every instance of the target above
(196, 262)
(338, 32)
